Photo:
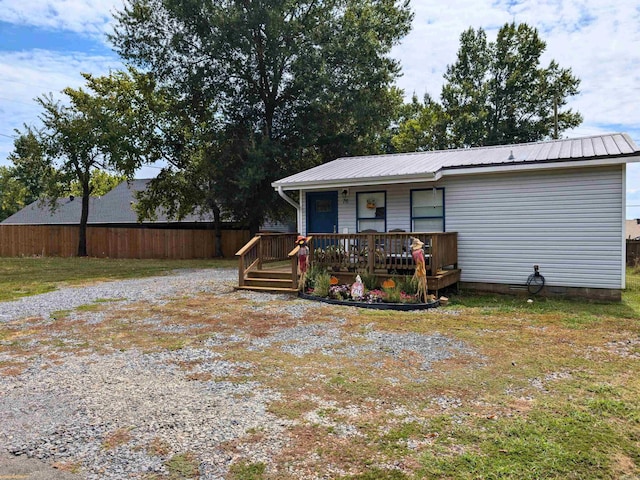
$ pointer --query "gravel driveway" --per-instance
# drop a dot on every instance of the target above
(122, 413)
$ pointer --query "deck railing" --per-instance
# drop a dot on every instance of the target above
(378, 252)
(351, 252)
(261, 249)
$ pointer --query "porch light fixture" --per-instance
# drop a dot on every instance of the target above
(511, 157)
(345, 195)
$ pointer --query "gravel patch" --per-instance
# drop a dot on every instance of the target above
(107, 413)
(67, 412)
(153, 289)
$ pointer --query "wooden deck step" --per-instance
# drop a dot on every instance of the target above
(268, 282)
(268, 289)
(280, 274)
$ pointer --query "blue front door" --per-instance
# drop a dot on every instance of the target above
(322, 212)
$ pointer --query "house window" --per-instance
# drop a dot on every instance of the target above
(427, 210)
(371, 211)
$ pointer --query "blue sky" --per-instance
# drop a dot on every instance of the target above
(45, 44)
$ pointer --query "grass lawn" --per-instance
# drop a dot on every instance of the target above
(543, 390)
(33, 275)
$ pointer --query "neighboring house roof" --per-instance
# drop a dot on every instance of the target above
(420, 166)
(114, 207)
(632, 229)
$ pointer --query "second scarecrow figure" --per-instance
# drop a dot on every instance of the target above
(303, 260)
(421, 270)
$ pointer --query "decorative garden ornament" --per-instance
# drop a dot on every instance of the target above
(357, 289)
(303, 260)
(421, 271)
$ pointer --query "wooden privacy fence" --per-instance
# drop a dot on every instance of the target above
(111, 242)
(633, 252)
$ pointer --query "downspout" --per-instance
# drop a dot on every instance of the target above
(295, 205)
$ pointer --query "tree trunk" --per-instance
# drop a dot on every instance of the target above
(254, 227)
(217, 222)
(84, 217)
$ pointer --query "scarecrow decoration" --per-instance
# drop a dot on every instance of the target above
(303, 259)
(421, 271)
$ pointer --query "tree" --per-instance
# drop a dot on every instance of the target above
(100, 183)
(497, 93)
(262, 89)
(13, 194)
(421, 127)
(78, 139)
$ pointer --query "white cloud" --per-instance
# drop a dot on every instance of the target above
(27, 75)
(90, 17)
(599, 40)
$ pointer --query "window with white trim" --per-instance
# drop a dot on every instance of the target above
(371, 211)
(427, 210)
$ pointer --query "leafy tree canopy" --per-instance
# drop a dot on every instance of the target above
(13, 194)
(80, 138)
(262, 89)
(497, 92)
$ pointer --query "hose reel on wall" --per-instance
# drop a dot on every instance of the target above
(535, 282)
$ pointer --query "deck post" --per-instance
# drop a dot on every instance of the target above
(260, 253)
(241, 271)
(371, 253)
(294, 271)
(435, 255)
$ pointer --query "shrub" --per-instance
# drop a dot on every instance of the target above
(408, 285)
(369, 280)
(322, 285)
(392, 295)
(312, 275)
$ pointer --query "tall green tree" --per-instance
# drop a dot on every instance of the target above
(497, 92)
(79, 138)
(270, 86)
(13, 194)
(30, 168)
(100, 183)
(421, 126)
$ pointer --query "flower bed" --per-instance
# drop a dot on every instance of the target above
(374, 305)
(389, 297)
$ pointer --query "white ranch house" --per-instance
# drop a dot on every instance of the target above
(557, 204)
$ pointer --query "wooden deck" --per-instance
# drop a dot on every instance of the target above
(385, 255)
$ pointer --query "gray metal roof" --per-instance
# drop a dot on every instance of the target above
(114, 207)
(425, 165)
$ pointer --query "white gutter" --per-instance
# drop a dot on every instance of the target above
(353, 182)
(294, 204)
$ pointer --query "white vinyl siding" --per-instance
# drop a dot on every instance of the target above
(569, 223)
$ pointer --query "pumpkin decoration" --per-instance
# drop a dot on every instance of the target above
(389, 284)
(334, 281)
